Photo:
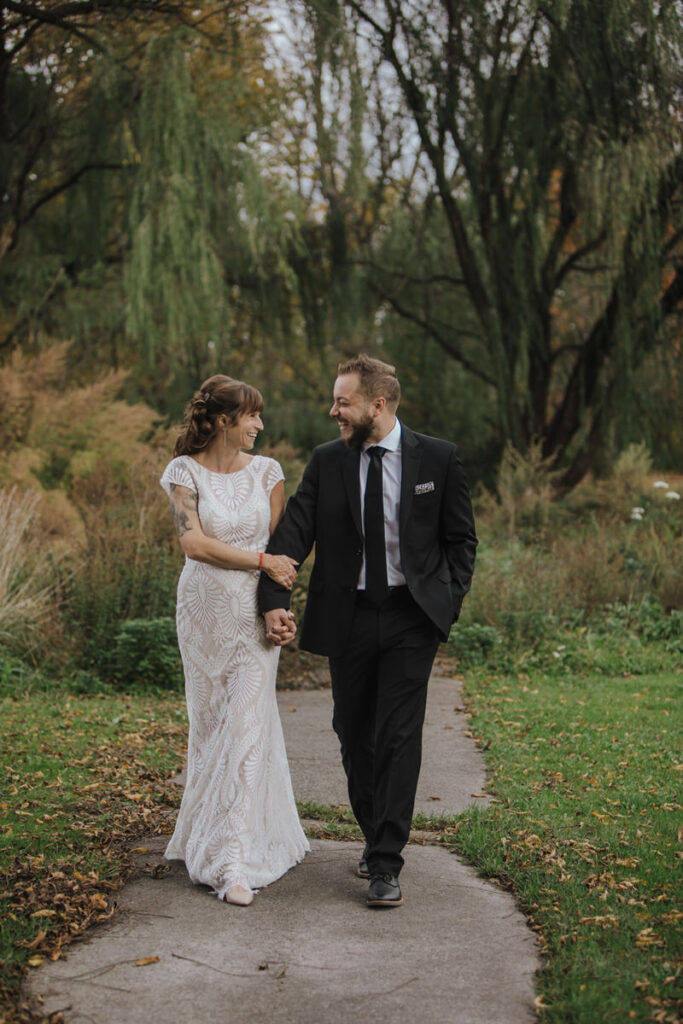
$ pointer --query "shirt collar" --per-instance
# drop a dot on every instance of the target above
(391, 442)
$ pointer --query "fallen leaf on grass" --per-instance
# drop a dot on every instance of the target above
(606, 920)
(34, 942)
(647, 938)
(44, 913)
(35, 961)
(92, 877)
(145, 960)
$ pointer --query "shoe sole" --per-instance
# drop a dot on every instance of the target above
(384, 903)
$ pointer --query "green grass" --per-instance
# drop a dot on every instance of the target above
(82, 776)
(584, 831)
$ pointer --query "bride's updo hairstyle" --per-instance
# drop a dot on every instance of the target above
(218, 394)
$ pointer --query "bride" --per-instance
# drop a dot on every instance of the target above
(237, 827)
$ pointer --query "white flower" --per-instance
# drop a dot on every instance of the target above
(673, 494)
(637, 514)
(660, 483)
(556, 654)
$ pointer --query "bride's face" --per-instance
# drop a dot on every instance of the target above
(244, 432)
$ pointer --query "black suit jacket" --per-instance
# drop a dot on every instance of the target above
(436, 534)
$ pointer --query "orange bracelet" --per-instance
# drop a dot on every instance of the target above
(260, 559)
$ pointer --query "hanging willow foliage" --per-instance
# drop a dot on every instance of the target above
(177, 299)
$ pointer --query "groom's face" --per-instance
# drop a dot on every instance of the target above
(352, 411)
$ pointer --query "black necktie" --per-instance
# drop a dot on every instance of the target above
(373, 524)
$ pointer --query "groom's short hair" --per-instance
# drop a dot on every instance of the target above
(377, 379)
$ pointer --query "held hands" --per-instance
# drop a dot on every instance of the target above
(280, 626)
(281, 569)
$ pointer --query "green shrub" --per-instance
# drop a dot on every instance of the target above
(475, 645)
(15, 675)
(146, 654)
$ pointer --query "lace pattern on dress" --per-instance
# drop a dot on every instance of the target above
(237, 823)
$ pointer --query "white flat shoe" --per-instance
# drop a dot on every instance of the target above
(240, 896)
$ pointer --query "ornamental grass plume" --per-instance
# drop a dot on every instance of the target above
(24, 595)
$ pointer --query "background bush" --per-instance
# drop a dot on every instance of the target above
(146, 654)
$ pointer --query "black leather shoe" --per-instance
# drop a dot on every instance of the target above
(363, 870)
(384, 891)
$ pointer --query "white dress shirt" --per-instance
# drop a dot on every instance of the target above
(391, 492)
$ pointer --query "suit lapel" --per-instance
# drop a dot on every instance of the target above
(351, 473)
(410, 464)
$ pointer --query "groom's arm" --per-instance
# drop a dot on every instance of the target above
(294, 536)
(457, 530)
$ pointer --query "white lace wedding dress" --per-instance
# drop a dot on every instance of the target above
(238, 823)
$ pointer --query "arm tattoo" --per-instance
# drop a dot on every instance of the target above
(181, 504)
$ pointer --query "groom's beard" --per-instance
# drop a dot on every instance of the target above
(360, 433)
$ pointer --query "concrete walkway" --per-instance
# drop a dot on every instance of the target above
(308, 951)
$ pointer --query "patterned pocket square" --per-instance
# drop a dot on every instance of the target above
(424, 488)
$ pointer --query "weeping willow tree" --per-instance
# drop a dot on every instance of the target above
(538, 240)
(141, 214)
(340, 195)
(177, 296)
(69, 88)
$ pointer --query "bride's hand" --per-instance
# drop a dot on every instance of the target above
(281, 569)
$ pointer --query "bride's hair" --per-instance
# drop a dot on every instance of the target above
(218, 394)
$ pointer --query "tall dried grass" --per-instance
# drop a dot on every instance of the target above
(544, 561)
(90, 465)
(24, 593)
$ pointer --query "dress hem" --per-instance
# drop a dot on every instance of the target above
(253, 883)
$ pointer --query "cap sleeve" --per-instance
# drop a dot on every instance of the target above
(273, 475)
(177, 472)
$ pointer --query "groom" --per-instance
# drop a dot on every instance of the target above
(389, 513)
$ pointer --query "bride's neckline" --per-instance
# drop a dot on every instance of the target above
(218, 472)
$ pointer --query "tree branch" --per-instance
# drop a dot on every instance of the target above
(432, 279)
(62, 187)
(584, 377)
(450, 347)
(418, 107)
(12, 334)
(578, 254)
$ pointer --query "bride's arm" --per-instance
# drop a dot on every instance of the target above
(277, 505)
(201, 548)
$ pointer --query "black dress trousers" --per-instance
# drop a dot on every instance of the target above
(379, 685)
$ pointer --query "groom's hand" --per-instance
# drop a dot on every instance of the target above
(280, 626)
